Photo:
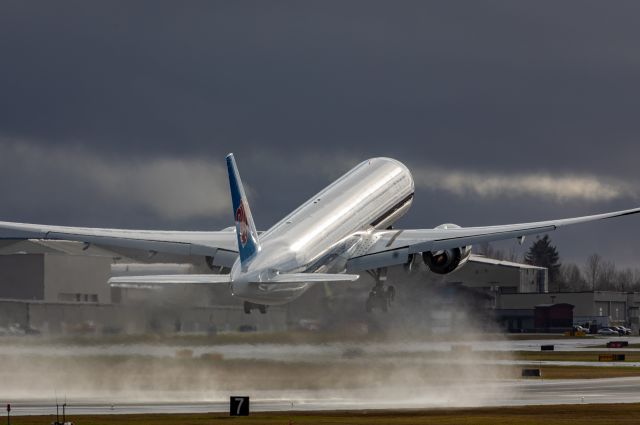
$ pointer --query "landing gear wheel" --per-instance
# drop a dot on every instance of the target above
(391, 293)
(384, 305)
(380, 296)
(262, 308)
(247, 307)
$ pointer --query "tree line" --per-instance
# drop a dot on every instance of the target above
(596, 274)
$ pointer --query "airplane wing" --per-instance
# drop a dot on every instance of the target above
(222, 245)
(392, 247)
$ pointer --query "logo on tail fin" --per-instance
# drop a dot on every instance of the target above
(241, 219)
(247, 236)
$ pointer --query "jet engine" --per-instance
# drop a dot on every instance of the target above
(448, 260)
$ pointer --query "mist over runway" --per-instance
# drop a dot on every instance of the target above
(309, 352)
(99, 378)
(577, 391)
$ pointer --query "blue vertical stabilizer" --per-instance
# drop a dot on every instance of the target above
(248, 244)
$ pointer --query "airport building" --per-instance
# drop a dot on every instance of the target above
(600, 308)
(61, 287)
(521, 300)
(54, 272)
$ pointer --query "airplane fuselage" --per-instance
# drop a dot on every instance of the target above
(321, 234)
(334, 236)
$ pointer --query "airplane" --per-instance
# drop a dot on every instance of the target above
(344, 230)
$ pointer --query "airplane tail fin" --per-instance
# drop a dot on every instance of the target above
(248, 243)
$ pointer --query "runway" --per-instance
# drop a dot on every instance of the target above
(152, 378)
(530, 392)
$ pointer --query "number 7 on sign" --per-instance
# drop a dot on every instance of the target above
(240, 400)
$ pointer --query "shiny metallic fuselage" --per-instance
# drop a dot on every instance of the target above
(320, 234)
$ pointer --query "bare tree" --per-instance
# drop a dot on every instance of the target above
(592, 270)
(624, 280)
(571, 278)
(607, 277)
(636, 280)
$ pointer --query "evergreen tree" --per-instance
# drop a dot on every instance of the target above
(541, 253)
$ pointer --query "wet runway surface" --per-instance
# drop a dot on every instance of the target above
(355, 391)
(539, 392)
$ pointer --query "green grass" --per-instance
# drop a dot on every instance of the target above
(568, 356)
(587, 372)
(288, 337)
(527, 337)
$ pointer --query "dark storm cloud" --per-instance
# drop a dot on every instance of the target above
(508, 92)
(465, 77)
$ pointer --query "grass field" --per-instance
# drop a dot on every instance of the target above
(289, 337)
(298, 337)
(587, 372)
(567, 356)
(589, 414)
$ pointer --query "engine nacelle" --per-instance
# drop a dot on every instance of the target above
(448, 260)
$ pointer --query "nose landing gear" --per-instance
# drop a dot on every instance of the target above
(381, 295)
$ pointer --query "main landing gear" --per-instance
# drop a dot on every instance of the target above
(381, 295)
(251, 306)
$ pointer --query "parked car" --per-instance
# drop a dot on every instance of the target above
(579, 328)
(608, 332)
(621, 330)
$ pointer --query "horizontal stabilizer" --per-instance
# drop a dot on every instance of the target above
(155, 281)
(312, 277)
(168, 279)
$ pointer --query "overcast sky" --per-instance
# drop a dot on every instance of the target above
(119, 114)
